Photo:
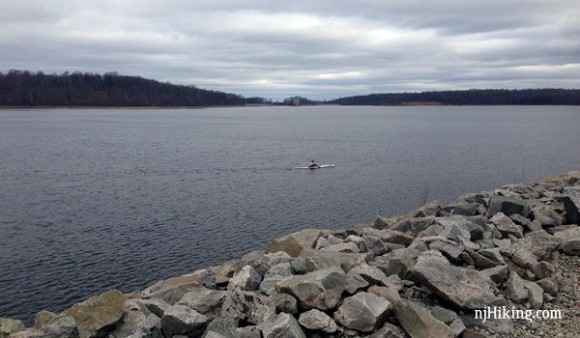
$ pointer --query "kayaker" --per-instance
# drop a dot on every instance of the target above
(313, 165)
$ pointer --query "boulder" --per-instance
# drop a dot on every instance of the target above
(205, 301)
(249, 306)
(355, 282)
(524, 258)
(442, 314)
(97, 315)
(43, 318)
(320, 289)
(515, 288)
(418, 321)
(363, 312)
(149, 328)
(135, 314)
(225, 327)
(508, 206)
(282, 326)
(535, 294)
(572, 206)
(373, 244)
(540, 243)
(8, 326)
(464, 288)
(316, 259)
(277, 273)
(317, 320)
(389, 236)
(570, 244)
(371, 274)
(388, 331)
(181, 320)
(349, 247)
(548, 285)
(506, 226)
(470, 209)
(155, 306)
(398, 262)
(498, 273)
(62, 327)
(285, 303)
(248, 332)
(246, 279)
(294, 243)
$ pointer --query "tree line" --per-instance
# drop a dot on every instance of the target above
(23, 88)
(28, 89)
(469, 97)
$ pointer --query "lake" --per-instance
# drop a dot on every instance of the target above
(95, 199)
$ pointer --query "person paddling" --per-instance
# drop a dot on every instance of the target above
(313, 165)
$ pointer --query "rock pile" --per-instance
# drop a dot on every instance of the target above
(424, 274)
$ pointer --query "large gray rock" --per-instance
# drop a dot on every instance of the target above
(419, 323)
(149, 328)
(535, 294)
(135, 314)
(8, 326)
(225, 327)
(348, 247)
(205, 301)
(508, 206)
(506, 226)
(155, 306)
(248, 332)
(570, 244)
(388, 331)
(389, 236)
(515, 288)
(181, 320)
(316, 259)
(294, 243)
(246, 279)
(540, 243)
(282, 326)
(398, 262)
(277, 273)
(572, 206)
(464, 288)
(317, 320)
(371, 274)
(97, 315)
(363, 312)
(320, 289)
(248, 306)
(63, 327)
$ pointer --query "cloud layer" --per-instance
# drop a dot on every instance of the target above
(319, 49)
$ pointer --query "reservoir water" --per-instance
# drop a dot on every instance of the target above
(95, 199)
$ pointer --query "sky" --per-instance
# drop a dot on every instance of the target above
(318, 49)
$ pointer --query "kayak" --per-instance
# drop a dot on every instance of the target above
(319, 167)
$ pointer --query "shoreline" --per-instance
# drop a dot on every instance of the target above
(517, 246)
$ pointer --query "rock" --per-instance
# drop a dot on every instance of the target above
(155, 306)
(508, 206)
(460, 209)
(388, 331)
(515, 288)
(285, 303)
(348, 247)
(8, 326)
(277, 273)
(355, 282)
(570, 244)
(224, 327)
(540, 243)
(373, 244)
(294, 243)
(321, 289)
(398, 262)
(418, 321)
(498, 273)
(450, 249)
(135, 314)
(282, 326)
(363, 312)
(524, 258)
(181, 320)
(464, 288)
(480, 261)
(150, 328)
(264, 262)
(371, 274)
(249, 306)
(457, 327)
(317, 320)
(97, 315)
(322, 242)
(521, 220)
(535, 294)
(468, 333)
(506, 226)
(170, 291)
(246, 279)
(205, 301)
(248, 332)
(62, 327)
(493, 254)
(548, 285)
(443, 314)
(572, 206)
(43, 318)
(389, 236)
(543, 270)
(316, 259)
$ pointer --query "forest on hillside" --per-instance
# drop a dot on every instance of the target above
(28, 89)
(23, 88)
(469, 97)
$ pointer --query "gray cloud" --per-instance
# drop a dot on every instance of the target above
(320, 49)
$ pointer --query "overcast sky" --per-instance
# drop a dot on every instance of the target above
(318, 49)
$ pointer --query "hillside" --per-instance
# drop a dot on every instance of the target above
(23, 88)
(469, 97)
